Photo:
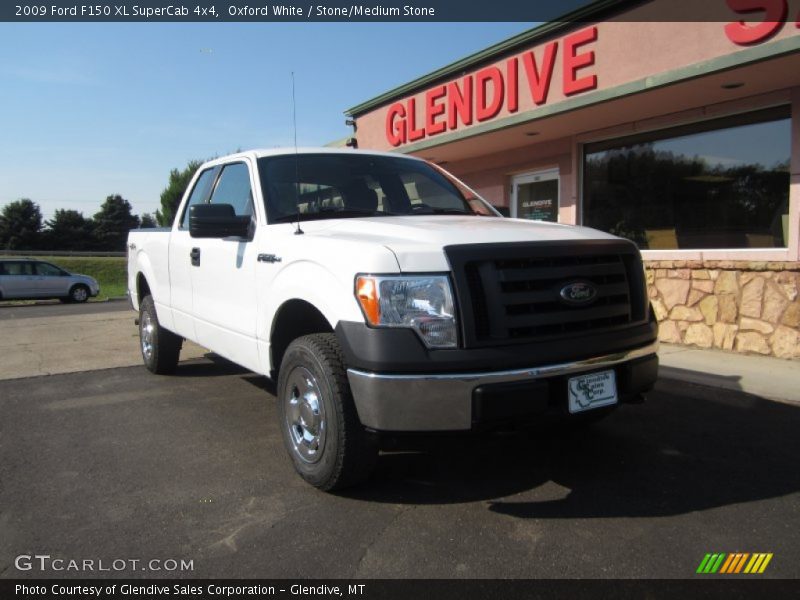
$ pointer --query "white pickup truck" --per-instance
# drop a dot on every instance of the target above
(384, 295)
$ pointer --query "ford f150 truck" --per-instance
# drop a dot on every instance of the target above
(382, 294)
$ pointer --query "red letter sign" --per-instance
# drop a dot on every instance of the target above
(743, 34)
(459, 103)
(396, 128)
(573, 62)
(483, 108)
(414, 134)
(433, 110)
(539, 83)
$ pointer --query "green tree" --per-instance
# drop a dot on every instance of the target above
(173, 193)
(147, 220)
(113, 222)
(20, 225)
(69, 230)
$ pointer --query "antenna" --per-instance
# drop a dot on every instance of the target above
(296, 162)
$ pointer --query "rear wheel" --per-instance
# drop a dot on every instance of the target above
(160, 347)
(328, 446)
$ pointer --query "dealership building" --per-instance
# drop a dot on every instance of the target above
(681, 136)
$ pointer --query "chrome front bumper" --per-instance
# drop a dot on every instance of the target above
(443, 402)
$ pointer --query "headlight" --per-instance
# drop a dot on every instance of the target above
(424, 304)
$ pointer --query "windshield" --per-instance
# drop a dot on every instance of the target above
(328, 186)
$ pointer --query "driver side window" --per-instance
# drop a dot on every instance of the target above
(199, 194)
(233, 187)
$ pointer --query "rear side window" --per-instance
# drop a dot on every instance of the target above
(234, 188)
(199, 194)
(48, 270)
(19, 268)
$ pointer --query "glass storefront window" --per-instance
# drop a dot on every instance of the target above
(718, 184)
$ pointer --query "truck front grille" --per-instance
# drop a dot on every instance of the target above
(511, 292)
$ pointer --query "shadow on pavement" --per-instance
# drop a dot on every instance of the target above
(200, 367)
(687, 448)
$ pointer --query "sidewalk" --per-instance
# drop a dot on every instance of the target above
(37, 346)
(65, 344)
(772, 378)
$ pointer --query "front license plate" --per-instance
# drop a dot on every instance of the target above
(592, 391)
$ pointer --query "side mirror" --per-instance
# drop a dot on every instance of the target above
(217, 221)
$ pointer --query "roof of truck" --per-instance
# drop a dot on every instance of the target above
(289, 151)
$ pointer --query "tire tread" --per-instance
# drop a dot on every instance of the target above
(166, 346)
(357, 451)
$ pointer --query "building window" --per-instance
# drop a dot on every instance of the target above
(717, 184)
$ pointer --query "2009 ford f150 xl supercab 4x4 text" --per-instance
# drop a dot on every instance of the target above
(384, 295)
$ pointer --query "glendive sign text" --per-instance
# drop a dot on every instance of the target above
(481, 95)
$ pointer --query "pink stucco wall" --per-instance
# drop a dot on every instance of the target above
(631, 48)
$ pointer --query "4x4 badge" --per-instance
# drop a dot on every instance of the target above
(578, 293)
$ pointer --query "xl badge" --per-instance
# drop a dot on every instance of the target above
(578, 293)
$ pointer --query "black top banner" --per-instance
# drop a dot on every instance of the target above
(288, 10)
(173, 11)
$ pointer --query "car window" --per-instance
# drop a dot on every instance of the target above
(19, 268)
(329, 186)
(233, 187)
(48, 270)
(198, 195)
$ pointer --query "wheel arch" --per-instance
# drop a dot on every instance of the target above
(293, 319)
(142, 287)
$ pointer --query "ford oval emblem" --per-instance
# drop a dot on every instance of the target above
(578, 293)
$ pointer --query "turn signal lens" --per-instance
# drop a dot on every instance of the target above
(367, 293)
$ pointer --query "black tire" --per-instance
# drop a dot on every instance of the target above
(326, 441)
(160, 347)
(79, 293)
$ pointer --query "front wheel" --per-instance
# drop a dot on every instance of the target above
(79, 293)
(322, 433)
(160, 347)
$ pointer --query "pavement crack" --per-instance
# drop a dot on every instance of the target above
(378, 536)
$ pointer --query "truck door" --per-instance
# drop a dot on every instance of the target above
(180, 258)
(223, 276)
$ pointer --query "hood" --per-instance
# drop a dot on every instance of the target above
(85, 278)
(417, 241)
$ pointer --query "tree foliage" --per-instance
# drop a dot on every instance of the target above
(113, 222)
(69, 230)
(20, 225)
(173, 193)
(147, 220)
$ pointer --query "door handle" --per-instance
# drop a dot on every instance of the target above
(195, 256)
(269, 258)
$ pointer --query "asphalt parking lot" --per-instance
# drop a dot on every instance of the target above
(121, 464)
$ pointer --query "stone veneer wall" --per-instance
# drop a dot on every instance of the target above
(744, 306)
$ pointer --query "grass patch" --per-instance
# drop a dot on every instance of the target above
(111, 272)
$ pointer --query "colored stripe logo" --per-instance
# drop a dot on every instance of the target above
(734, 563)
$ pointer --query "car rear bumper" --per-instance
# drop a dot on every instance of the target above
(462, 401)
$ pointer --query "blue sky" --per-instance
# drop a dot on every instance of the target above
(88, 110)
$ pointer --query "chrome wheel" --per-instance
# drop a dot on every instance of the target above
(305, 415)
(80, 294)
(146, 335)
